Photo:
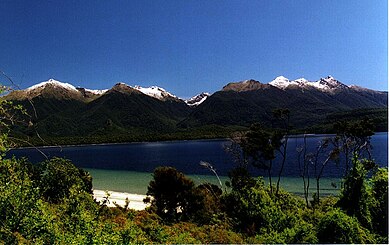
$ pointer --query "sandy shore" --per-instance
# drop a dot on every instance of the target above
(136, 200)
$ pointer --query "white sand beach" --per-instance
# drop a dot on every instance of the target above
(136, 200)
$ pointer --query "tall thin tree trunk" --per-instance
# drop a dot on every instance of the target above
(286, 132)
(284, 155)
(269, 176)
(318, 190)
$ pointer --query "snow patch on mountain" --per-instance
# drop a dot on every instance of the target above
(301, 80)
(154, 91)
(54, 83)
(326, 84)
(197, 99)
(281, 82)
(96, 91)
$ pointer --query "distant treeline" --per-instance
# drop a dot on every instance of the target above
(107, 135)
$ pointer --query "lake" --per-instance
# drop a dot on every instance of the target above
(127, 167)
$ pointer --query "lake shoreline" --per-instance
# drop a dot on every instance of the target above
(119, 143)
(119, 198)
(164, 141)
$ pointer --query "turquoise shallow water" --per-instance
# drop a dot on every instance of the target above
(128, 167)
(137, 182)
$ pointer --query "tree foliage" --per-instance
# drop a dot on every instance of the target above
(172, 193)
(338, 227)
(58, 175)
(380, 202)
(355, 196)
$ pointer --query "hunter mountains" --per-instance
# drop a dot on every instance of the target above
(64, 114)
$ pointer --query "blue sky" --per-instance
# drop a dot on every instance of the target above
(189, 47)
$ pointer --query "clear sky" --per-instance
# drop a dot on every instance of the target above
(189, 47)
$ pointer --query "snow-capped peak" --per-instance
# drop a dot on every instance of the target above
(96, 91)
(329, 78)
(329, 83)
(197, 99)
(281, 79)
(154, 91)
(52, 82)
(280, 82)
(301, 80)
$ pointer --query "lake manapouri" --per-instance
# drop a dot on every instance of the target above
(128, 167)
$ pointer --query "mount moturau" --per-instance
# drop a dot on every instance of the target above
(64, 110)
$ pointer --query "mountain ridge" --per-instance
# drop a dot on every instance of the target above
(127, 113)
(327, 84)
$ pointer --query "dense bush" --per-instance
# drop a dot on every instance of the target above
(23, 214)
(380, 205)
(248, 213)
(355, 196)
(254, 208)
(172, 192)
(338, 227)
(58, 175)
(176, 198)
(52, 203)
(27, 216)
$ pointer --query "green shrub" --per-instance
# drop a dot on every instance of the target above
(254, 208)
(23, 215)
(355, 197)
(338, 227)
(151, 225)
(208, 203)
(379, 209)
(301, 232)
(185, 232)
(175, 197)
(58, 175)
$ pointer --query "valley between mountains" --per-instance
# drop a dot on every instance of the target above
(59, 113)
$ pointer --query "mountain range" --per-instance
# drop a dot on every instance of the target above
(126, 113)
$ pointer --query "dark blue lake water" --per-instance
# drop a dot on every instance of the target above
(183, 155)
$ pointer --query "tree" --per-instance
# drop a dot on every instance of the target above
(355, 196)
(235, 149)
(241, 179)
(173, 194)
(303, 157)
(380, 205)
(353, 138)
(282, 115)
(254, 209)
(58, 176)
(22, 213)
(259, 146)
(208, 198)
(320, 159)
(338, 227)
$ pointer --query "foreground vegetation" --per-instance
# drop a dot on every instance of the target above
(51, 203)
